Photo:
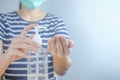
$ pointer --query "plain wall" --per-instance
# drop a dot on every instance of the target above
(94, 26)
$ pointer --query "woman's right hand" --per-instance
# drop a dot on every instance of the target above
(21, 45)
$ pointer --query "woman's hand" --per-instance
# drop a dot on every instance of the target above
(21, 45)
(18, 49)
(59, 46)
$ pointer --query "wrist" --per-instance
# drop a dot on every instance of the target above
(65, 59)
(61, 57)
(8, 58)
(4, 62)
(61, 64)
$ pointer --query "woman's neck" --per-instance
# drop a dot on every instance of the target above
(31, 15)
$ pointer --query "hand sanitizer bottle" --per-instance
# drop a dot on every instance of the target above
(37, 64)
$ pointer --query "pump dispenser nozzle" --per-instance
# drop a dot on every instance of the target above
(37, 37)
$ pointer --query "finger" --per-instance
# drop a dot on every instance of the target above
(32, 36)
(60, 51)
(26, 29)
(16, 40)
(65, 45)
(70, 44)
(49, 46)
(25, 51)
(53, 46)
(17, 58)
(23, 46)
(22, 54)
(31, 42)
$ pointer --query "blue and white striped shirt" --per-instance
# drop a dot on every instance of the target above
(11, 25)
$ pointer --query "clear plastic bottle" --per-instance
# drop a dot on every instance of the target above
(37, 64)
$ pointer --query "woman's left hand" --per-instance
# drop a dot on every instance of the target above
(59, 46)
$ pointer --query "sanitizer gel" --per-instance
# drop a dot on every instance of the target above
(37, 64)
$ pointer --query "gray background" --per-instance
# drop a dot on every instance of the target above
(94, 26)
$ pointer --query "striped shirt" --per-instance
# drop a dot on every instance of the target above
(11, 25)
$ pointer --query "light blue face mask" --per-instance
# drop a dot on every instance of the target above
(32, 4)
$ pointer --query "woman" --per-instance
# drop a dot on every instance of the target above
(15, 43)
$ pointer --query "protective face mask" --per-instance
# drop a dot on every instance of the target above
(32, 4)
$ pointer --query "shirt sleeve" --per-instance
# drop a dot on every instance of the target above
(2, 28)
(61, 29)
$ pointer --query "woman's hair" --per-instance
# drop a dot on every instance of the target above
(19, 5)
